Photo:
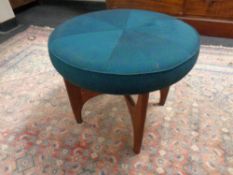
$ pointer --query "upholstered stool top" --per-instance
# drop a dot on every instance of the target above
(123, 51)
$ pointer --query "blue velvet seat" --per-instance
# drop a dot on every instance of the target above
(123, 51)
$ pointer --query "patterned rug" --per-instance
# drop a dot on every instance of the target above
(191, 135)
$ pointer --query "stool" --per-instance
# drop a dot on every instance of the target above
(122, 52)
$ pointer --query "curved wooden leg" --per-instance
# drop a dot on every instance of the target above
(78, 97)
(163, 95)
(75, 98)
(138, 116)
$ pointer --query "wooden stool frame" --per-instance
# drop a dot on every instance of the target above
(79, 96)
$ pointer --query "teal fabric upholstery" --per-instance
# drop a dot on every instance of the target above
(123, 51)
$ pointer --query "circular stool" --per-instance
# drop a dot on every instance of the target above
(122, 52)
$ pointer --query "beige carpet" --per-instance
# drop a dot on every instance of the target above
(191, 135)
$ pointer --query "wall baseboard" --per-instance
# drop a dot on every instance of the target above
(8, 25)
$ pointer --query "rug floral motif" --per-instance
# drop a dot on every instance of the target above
(191, 135)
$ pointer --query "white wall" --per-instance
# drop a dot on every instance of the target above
(6, 11)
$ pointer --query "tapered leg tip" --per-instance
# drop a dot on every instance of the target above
(136, 150)
(79, 121)
(161, 103)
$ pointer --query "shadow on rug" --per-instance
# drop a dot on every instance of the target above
(191, 135)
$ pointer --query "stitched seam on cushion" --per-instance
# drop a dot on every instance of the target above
(132, 74)
(195, 53)
(162, 70)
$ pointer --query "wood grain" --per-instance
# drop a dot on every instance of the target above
(211, 27)
(216, 9)
(209, 17)
(138, 116)
(163, 95)
(154, 5)
(79, 96)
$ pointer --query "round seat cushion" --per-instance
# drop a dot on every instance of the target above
(123, 51)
